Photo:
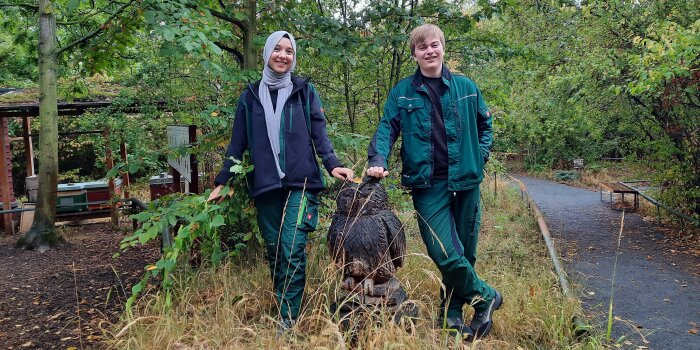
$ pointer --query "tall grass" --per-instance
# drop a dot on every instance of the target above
(612, 283)
(233, 307)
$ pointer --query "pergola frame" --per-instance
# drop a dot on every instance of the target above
(27, 111)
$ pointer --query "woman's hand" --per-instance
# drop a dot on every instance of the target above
(378, 172)
(215, 195)
(342, 173)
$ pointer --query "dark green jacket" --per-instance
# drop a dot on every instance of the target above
(467, 124)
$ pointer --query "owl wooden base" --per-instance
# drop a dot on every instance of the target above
(360, 305)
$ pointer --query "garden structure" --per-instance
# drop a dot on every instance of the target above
(92, 201)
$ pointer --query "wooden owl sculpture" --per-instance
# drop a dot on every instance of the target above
(365, 237)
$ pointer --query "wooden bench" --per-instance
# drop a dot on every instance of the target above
(619, 188)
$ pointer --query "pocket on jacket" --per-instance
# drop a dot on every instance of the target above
(294, 118)
(413, 115)
(308, 212)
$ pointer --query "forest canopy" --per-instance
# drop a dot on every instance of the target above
(564, 79)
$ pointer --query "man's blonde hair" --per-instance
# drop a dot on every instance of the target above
(425, 31)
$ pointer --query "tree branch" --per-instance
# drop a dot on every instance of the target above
(236, 54)
(95, 32)
(327, 86)
(220, 15)
(638, 101)
(24, 6)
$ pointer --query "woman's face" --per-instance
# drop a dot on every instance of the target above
(282, 56)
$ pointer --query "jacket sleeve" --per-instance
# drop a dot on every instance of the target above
(238, 143)
(387, 132)
(319, 135)
(484, 126)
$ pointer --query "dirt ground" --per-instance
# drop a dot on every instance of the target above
(68, 297)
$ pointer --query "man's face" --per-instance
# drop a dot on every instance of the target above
(429, 54)
(282, 56)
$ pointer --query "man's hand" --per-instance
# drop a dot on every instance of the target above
(378, 172)
(216, 196)
(344, 174)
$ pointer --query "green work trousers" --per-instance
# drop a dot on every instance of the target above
(285, 217)
(449, 225)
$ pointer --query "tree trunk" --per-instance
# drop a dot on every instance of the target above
(347, 92)
(42, 234)
(249, 53)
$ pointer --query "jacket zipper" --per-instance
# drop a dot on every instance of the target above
(432, 139)
(250, 86)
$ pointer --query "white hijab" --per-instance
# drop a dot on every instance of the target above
(282, 82)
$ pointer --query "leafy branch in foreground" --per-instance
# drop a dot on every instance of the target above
(207, 229)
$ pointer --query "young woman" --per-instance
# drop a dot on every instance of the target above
(280, 122)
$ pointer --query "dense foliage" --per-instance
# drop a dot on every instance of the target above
(606, 79)
(193, 230)
(564, 79)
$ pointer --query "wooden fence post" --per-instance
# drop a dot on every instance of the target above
(110, 182)
(194, 185)
(6, 180)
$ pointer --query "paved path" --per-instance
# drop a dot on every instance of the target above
(657, 284)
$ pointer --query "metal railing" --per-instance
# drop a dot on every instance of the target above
(580, 327)
(684, 217)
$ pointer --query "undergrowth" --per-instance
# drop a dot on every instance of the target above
(233, 307)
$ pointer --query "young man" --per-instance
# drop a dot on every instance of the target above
(447, 136)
